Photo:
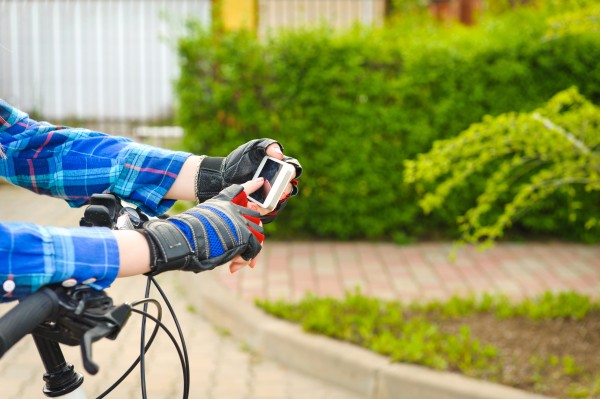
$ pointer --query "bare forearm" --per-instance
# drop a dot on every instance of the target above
(184, 187)
(134, 254)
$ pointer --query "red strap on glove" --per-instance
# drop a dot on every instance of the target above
(242, 200)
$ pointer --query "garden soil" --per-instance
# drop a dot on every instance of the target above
(529, 350)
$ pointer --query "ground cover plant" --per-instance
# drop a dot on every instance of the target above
(546, 345)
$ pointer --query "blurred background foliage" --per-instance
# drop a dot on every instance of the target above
(352, 106)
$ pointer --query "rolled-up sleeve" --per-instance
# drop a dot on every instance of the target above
(74, 163)
(32, 256)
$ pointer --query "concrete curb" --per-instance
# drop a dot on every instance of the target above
(358, 370)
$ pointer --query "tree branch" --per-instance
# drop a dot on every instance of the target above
(554, 127)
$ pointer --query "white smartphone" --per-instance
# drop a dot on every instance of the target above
(277, 175)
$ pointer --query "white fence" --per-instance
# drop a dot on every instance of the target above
(277, 14)
(115, 60)
(93, 59)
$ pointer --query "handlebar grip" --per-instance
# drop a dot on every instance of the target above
(25, 317)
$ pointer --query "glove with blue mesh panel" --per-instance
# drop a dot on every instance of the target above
(205, 236)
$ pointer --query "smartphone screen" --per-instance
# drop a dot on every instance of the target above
(269, 172)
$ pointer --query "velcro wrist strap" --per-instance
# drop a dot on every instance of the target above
(210, 178)
(212, 164)
(169, 248)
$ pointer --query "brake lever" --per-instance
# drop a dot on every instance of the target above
(114, 320)
(88, 339)
(85, 316)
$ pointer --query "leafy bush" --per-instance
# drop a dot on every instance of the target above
(353, 106)
(546, 159)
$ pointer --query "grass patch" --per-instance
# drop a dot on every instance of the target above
(546, 345)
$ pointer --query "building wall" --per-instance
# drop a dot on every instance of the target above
(238, 14)
(93, 59)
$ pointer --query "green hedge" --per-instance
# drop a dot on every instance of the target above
(353, 106)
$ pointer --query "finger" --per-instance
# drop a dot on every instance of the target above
(234, 267)
(288, 190)
(252, 185)
(254, 207)
(262, 211)
(274, 150)
(295, 163)
(237, 263)
(253, 262)
(287, 193)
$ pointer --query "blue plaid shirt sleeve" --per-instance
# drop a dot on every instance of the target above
(73, 163)
(32, 256)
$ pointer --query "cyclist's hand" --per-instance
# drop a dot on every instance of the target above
(216, 173)
(208, 235)
(291, 190)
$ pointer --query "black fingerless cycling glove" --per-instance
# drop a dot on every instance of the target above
(216, 173)
(205, 236)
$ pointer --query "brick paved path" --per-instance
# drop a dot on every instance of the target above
(418, 272)
(221, 367)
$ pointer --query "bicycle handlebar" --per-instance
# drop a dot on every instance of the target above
(81, 315)
(26, 317)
